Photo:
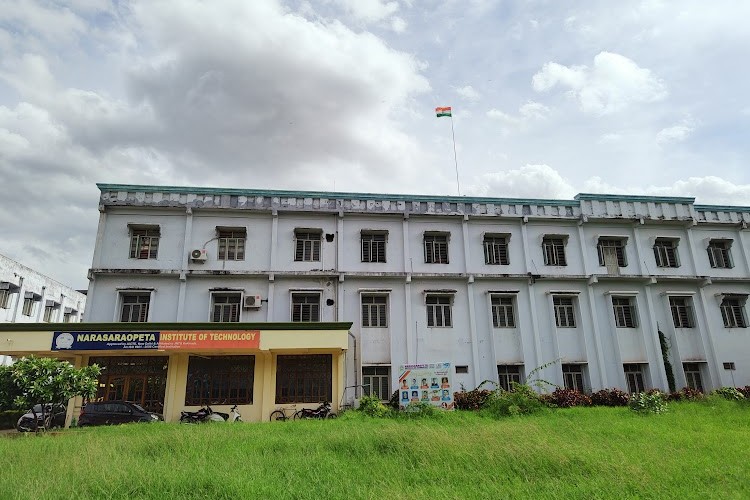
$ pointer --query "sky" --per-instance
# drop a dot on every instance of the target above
(550, 98)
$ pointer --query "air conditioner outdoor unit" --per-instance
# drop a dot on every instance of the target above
(198, 255)
(252, 301)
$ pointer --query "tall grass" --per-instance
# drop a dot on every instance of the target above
(695, 450)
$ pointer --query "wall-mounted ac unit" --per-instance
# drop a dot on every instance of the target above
(199, 255)
(252, 301)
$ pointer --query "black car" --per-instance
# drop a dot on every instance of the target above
(27, 424)
(114, 412)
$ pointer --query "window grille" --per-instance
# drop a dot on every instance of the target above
(665, 253)
(564, 312)
(436, 248)
(144, 243)
(226, 308)
(682, 312)
(496, 250)
(374, 311)
(304, 379)
(305, 307)
(554, 251)
(624, 312)
(307, 247)
(502, 312)
(439, 311)
(373, 247)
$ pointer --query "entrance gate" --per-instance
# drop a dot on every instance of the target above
(140, 379)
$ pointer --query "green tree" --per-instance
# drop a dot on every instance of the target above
(49, 381)
(9, 390)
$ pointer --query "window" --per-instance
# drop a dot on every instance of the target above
(307, 247)
(231, 243)
(665, 252)
(496, 250)
(374, 311)
(507, 374)
(134, 308)
(144, 242)
(373, 246)
(439, 310)
(376, 381)
(634, 377)
(719, 254)
(502, 312)
(564, 312)
(69, 315)
(4, 299)
(140, 379)
(554, 251)
(612, 252)
(436, 248)
(303, 379)
(733, 311)
(573, 377)
(624, 312)
(682, 312)
(220, 380)
(29, 299)
(49, 310)
(693, 375)
(305, 307)
(462, 369)
(226, 307)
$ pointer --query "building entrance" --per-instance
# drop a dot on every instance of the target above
(140, 379)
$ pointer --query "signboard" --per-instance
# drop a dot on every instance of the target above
(168, 340)
(426, 383)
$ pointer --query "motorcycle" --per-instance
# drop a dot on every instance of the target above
(322, 411)
(205, 414)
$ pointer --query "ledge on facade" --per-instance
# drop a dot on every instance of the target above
(105, 327)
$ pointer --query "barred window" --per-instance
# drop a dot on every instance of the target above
(719, 254)
(496, 250)
(373, 246)
(682, 312)
(28, 306)
(376, 381)
(134, 307)
(665, 253)
(304, 379)
(4, 299)
(573, 377)
(144, 243)
(436, 248)
(612, 251)
(624, 311)
(733, 312)
(564, 312)
(69, 315)
(140, 379)
(231, 243)
(307, 245)
(507, 374)
(220, 380)
(226, 307)
(634, 377)
(554, 251)
(49, 310)
(305, 307)
(439, 310)
(374, 311)
(693, 375)
(502, 312)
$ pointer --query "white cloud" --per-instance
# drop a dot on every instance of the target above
(529, 181)
(467, 92)
(675, 133)
(613, 83)
(369, 10)
(528, 113)
(709, 189)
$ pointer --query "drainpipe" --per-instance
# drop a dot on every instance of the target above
(356, 384)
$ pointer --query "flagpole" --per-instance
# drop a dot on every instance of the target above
(455, 157)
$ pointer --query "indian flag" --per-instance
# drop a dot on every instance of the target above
(443, 111)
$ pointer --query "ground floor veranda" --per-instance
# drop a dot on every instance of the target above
(171, 367)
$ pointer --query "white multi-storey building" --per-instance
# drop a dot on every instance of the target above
(495, 286)
(27, 296)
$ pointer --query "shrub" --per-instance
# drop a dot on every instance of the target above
(610, 397)
(648, 402)
(474, 399)
(685, 394)
(745, 391)
(393, 403)
(373, 407)
(568, 398)
(420, 410)
(8, 418)
(729, 393)
(522, 400)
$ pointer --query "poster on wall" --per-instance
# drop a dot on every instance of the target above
(426, 383)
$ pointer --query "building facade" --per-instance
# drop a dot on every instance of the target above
(27, 296)
(603, 285)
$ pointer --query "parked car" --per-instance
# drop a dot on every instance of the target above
(26, 422)
(114, 412)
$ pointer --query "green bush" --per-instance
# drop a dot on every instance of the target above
(373, 407)
(522, 400)
(648, 402)
(9, 418)
(420, 410)
(729, 393)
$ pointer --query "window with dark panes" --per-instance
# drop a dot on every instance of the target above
(634, 377)
(496, 250)
(573, 377)
(376, 381)
(4, 299)
(305, 307)
(665, 252)
(733, 312)
(373, 246)
(220, 380)
(719, 254)
(134, 308)
(554, 251)
(144, 243)
(231, 243)
(304, 379)
(612, 252)
(502, 312)
(49, 310)
(682, 312)
(439, 313)
(693, 377)
(307, 245)
(624, 312)
(436, 248)
(507, 374)
(564, 312)
(226, 307)
(374, 311)
(140, 379)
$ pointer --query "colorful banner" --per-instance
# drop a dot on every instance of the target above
(169, 340)
(426, 383)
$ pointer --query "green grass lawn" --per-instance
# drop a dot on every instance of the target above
(696, 450)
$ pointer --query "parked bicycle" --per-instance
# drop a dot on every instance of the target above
(281, 414)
